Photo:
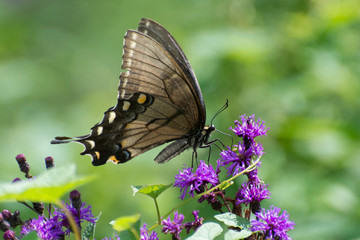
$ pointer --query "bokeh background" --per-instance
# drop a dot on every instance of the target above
(294, 64)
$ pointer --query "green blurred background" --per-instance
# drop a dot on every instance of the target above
(295, 64)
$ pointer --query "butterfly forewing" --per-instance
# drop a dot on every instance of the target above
(163, 37)
(159, 100)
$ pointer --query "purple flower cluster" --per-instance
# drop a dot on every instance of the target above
(238, 158)
(252, 192)
(57, 225)
(48, 229)
(248, 129)
(234, 159)
(144, 234)
(174, 227)
(190, 182)
(273, 225)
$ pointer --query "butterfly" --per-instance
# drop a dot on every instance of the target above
(159, 101)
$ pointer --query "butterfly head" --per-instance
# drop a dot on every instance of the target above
(206, 132)
(208, 129)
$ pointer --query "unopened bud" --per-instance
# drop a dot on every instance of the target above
(39, 207)
(9, 235)
(16, 220)
(49, 162)
(16, 180)
(6, 214)
(23, 164)
(4, 225)
(75, 199)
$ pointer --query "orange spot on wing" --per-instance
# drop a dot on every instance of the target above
(113, 158)
(141, 99)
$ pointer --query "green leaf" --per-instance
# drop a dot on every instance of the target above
(233, 220)
(235, 235)
(207, 231)
(47, 187)
(89, 231)
(31, 236)
(152, 191)
(125, 223)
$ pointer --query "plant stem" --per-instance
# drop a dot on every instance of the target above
(71, 219)
(157, 210)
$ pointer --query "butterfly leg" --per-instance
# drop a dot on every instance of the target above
(194, 155)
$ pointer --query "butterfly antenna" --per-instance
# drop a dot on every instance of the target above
(220, 110)
(225, 135)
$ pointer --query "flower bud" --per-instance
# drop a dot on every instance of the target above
(4, 225)
(9, 235)
(49, 162)
(6, 214)
(16, 180)
(39, 207)
(75, 199)
(23, 164)
(16, 220)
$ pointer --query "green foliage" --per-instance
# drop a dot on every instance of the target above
(89, 231)
(152, 191)
(207, 231)
(48, 187)
(294, 63)
(235, 235)
(232, 220)
(125, 222)
(31, 236)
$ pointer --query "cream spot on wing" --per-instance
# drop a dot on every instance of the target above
(132, 44)
(125, 82)
(122, 93)
(99, 130)
(91, 143)
(147, 23)
(130, 53)
(112, 116)
(126, 106)
(97, 154)
(145, 31)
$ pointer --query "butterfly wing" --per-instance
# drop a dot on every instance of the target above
(157, 101)
(162, 36)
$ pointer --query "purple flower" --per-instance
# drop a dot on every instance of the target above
(81, 215)
(144, 235)
(195, 224)
(195, 182)
(252, 192)
(173, 227)
(235, 162)
(273, 225)
(51, 228)
(47, 229)
(248, 128)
